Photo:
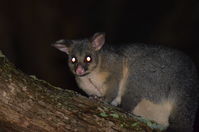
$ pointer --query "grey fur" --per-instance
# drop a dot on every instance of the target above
(155, 73)
(160, 73)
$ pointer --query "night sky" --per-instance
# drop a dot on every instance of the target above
(29, 27)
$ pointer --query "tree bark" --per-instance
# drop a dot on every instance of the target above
(28, 104)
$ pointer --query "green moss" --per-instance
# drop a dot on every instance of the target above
(114, 115)
(135, 124)
(151, 124)
(103, 114)
(124, 125)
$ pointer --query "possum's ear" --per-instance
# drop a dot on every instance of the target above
(63, 45)
(98, 40)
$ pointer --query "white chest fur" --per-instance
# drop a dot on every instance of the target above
(93, 83)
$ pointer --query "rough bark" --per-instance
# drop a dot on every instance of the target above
(28, 104)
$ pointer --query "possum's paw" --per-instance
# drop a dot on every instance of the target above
(116, 101)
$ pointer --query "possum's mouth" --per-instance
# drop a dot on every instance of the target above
(80, 71)
(82, 75)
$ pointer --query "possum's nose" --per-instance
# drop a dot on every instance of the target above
(80, 70)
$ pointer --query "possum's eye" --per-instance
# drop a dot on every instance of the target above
(88, 59)
(73, 60)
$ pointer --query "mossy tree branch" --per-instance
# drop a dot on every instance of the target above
(28, 104)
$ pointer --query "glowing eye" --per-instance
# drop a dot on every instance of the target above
(88, 59)
(73, 59)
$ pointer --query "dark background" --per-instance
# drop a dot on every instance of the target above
(29, 27)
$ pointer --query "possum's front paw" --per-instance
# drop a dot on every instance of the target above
(116, 101)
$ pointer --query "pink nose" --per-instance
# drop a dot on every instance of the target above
(80, 70)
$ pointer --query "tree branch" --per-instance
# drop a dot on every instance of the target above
(29, 104)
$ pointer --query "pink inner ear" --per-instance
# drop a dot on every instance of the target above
(98, 41)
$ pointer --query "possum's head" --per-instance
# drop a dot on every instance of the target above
(83, 55)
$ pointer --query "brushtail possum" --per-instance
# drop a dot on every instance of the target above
(151, 81)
